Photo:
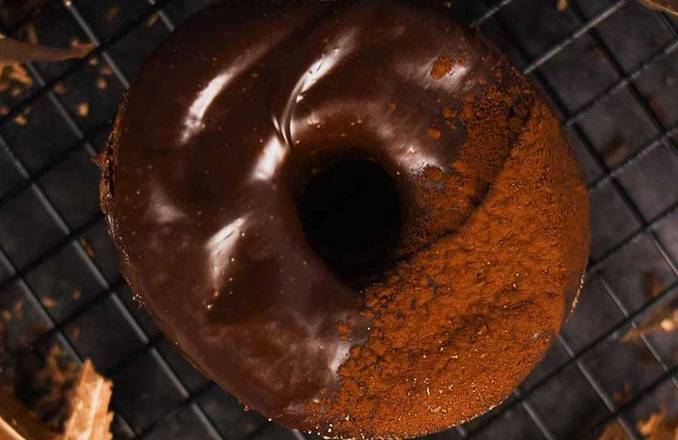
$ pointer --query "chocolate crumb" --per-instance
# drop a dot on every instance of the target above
(19, 74)
(659, 108)
(617, 150)
(111, 13)
(624, 395)
(652, 284)
(48, 302)
(31, 33)
(74, 332)
(151, 20)
(83, 109)
(433, 133)
(441, 67)
(18, 308)
(663, 320)
(613, 431)
(449, 113)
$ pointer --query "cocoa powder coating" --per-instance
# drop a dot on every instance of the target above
(456, 327)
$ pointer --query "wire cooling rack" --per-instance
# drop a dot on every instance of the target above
(610, 71)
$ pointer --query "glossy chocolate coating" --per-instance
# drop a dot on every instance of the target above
(220, 131)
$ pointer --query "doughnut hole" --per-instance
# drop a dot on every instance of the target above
(350, 212)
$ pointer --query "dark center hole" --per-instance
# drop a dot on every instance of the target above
(350, 213)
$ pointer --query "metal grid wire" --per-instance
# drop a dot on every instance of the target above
(604, 65)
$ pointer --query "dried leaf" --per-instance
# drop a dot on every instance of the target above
(670, 6)
(19, 52)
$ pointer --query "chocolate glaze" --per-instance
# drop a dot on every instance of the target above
(220, 132)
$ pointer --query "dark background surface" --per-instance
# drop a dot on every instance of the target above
(610, 71)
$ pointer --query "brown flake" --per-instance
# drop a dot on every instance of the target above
(87, 247)
(663, 320)
(14, 52)
(89, 400)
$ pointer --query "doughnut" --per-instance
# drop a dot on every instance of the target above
(357, 217)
